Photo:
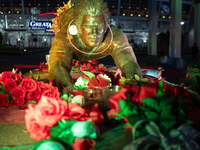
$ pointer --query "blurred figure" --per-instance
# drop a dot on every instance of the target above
(195, 51)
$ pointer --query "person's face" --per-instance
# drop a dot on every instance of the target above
(93, 29)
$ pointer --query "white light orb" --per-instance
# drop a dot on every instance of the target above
(73, 30)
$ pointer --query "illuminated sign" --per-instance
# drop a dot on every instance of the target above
(46, 24)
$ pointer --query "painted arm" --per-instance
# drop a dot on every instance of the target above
(124, 56)
(60, 63)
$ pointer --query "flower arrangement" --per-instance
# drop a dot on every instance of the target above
(68, 123)
(99, 78)
(60, 11)
(16, 90)
(153, 111)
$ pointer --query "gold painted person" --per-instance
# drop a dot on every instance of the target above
(95, 39)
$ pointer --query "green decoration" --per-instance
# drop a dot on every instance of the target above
(64, 97)
(89, 74)
(137, 77)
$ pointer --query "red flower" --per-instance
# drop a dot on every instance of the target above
(3, 102)
(29, 84)
(49, 111)
(9, 84)
(6, 75)
(156, 84)
(18, 92)
(94, 114)
(35, 95)
(43, 86)
(52, 92)
(116, 97)
(74, 111)
(17, 102)
(144, 91)
(83, 144)
(37, 131)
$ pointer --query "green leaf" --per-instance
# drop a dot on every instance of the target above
(166, 101)
(151, 115)
(133, 118)
(122, 104)
(126, 111)
(166, 125)
(161, 84)
(64, 97)
(166, 110)
(152, 129)
(150, 102)
(137, 77)
(7, 98)
(123, 79)
(89, 74)
(145, 80)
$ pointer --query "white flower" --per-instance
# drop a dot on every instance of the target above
(105, 77)
(84, 129)
(81, 82)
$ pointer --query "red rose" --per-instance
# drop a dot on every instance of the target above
(144, 91)
(29, 84)
(43, 86)
(52, 92)
(35, 95)
(83, 144)
(73, 111)
(94, 114)
(49, 111)
(17, 102)
(3, 102)
(115, 98)
(9, 84)
(37, 131)
(18, 92)
(6, 75)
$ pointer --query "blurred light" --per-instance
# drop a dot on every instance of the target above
(38, 4)
(29, 4)
(113, 6)
(131, 14)
(183, 11)
(145, 8)
(20, 4)
(139, 15)
(48, 4)
(129, 7)
(73, 30)
(20, 17)
(24, 49)
(169, 17)
(182, 23)
(121, 7)
(144, 41)
(8, 11)
(18, 39)
(123, 14)
(147, 16)
(137, 7)
(161, 11)
(45, 39)
(2, 4)
(57, 4)
(12, 4)
(163, 16)
(17, 11)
